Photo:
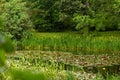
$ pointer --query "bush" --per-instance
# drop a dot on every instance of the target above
(101, 16)
(15, 17)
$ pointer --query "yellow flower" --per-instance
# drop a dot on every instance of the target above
(104, 68)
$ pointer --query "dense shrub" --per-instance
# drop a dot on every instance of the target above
(15, 18)
(101, 16)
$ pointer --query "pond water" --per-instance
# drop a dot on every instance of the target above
(90, 63)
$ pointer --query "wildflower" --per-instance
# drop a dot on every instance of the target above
(104, 68)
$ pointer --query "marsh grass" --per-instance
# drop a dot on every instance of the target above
(73, 42)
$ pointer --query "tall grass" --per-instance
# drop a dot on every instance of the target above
(72, 42)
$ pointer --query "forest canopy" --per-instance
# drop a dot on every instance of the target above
(59, 15)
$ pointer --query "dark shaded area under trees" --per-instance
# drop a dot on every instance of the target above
(61, 15)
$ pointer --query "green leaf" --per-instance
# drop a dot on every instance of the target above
(27, 75)
(8, 46)
(2, 57)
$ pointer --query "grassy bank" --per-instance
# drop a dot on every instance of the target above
(28, 68)
(104, 42)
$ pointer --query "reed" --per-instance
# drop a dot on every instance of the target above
(72, 42)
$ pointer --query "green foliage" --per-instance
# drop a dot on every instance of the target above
(83, 23)
(61, 15)
(107, 42)
(97, 15)
(27, 75)
(15, 18)
(6, 44)
(42, 14)
(101, 15)
(57, 16)
(0, 23)
(2, 57)
(10, 48)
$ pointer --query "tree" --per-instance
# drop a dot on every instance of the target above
(15, 18)
(54, 15)
(101, 15)
(59, 15)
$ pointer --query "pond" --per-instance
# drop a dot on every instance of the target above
(103, 63)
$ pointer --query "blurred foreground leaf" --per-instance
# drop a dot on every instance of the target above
(2, 57)
(6, 44)
(27, 75)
